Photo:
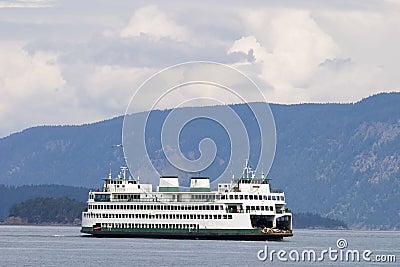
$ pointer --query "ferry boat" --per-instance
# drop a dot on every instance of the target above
(245, 209)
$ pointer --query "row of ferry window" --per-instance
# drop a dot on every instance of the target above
(169, 207)
(149, 225)
(262, 208)
(160, 216)
(223, 197)
(252, 197)
(157, 207)
(120, 182)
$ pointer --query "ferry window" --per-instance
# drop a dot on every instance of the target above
(215, 216)
(208, 207)
(246, 197)
(206, 216)
(222, 196)
(269, 197)
(251, 197)
(236, 197)
(219, 216)
(212, 207)
(196, 207)
(271, 208)
(221, 207)
(202, 216)
(264, 197)
(273, 198)
(225, 217)
(253, 208)
(229, 216)
(230, 196)
(241, 197)
(189, 207)
(257, 207)
(216, 207)
(262, 208)
(282, 198)
(266, 208)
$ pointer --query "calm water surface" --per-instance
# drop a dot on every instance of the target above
(64, 246)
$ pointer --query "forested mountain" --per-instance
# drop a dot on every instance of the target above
(337, 160)
(10, 195)
(309, 220)
(48, 210)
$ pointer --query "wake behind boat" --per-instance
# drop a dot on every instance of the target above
(245, 209)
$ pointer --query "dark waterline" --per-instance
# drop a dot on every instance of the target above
(65, 246)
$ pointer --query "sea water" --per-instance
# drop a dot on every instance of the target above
(65, 246)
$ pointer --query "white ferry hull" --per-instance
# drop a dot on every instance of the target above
(217, 234)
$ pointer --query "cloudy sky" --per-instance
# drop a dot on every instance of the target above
(71, 62)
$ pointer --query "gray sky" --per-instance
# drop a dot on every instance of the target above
(72, 62)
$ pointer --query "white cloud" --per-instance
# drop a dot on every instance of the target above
(152, 21)
(31, 84)
(37, 89)
(114, 85)
(66, 70)
(290, 45)
(26, 4)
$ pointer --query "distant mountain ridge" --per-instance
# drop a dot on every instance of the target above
(338, 160)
